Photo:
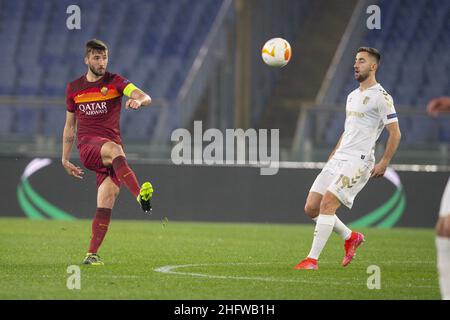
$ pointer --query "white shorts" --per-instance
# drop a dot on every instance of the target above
(344, 178)
(445, 202)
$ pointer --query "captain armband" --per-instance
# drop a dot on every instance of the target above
(129, 89)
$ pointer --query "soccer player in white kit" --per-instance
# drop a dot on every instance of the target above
(369, 110)
(434, 108)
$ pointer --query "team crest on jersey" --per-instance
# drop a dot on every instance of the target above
(366, 99)
(104, 91)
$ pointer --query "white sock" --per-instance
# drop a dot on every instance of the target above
(443, 264)
(340, 228)
(324, 227)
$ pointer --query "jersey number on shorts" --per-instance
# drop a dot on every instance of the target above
(347, 182)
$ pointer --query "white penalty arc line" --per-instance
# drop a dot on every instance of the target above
(170, 269)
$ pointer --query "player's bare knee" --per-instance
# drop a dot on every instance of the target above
(311, 210)
(108, 200)
(329, 204)
(116, 151)
(110, 151)
(107, 194)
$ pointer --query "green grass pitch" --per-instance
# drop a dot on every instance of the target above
(209, 261)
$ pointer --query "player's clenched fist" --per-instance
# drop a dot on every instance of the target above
(73, 170)
(133, 104)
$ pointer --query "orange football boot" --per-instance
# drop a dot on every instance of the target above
(350, 247)
(307, 264)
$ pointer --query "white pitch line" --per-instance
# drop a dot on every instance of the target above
(170, 269)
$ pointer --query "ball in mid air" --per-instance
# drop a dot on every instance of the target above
(276, 52)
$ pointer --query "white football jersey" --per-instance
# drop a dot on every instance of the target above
(367, 113)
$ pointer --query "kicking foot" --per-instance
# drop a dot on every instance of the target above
(350, 247)
(93, 259)
(144, 197)
(307, 264)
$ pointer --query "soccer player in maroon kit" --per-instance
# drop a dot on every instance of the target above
(94, 103)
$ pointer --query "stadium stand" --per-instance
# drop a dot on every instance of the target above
(415, 64)
(157, 46)
(154, 48)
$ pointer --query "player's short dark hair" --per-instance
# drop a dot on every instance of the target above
(95, 45)
(371, 51)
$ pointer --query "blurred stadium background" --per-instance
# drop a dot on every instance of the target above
(200, 60)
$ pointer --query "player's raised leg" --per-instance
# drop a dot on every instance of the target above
(106, 196)
(324, 226)
(113, 155)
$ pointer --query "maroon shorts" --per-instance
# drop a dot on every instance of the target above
(90, 155)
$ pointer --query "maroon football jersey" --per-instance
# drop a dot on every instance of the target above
(97, 106)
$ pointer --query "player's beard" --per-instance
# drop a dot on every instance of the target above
(361, 77)
(98, 73)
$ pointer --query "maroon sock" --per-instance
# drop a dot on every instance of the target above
(99, 228)
(126, 175)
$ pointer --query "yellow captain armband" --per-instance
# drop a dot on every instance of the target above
(129, 89)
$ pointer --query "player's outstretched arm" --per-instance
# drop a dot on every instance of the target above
(138, 98)
(68, 140)
(438, 105)
(391, 147)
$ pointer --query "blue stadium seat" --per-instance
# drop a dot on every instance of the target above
(422, 130)
(136, 125)
(8, 78)
(6, 119)
(27, 121)
(52, 84)
(335, 129)
(29, 81)
(53, 118)
(8, 46)
(444, 129)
